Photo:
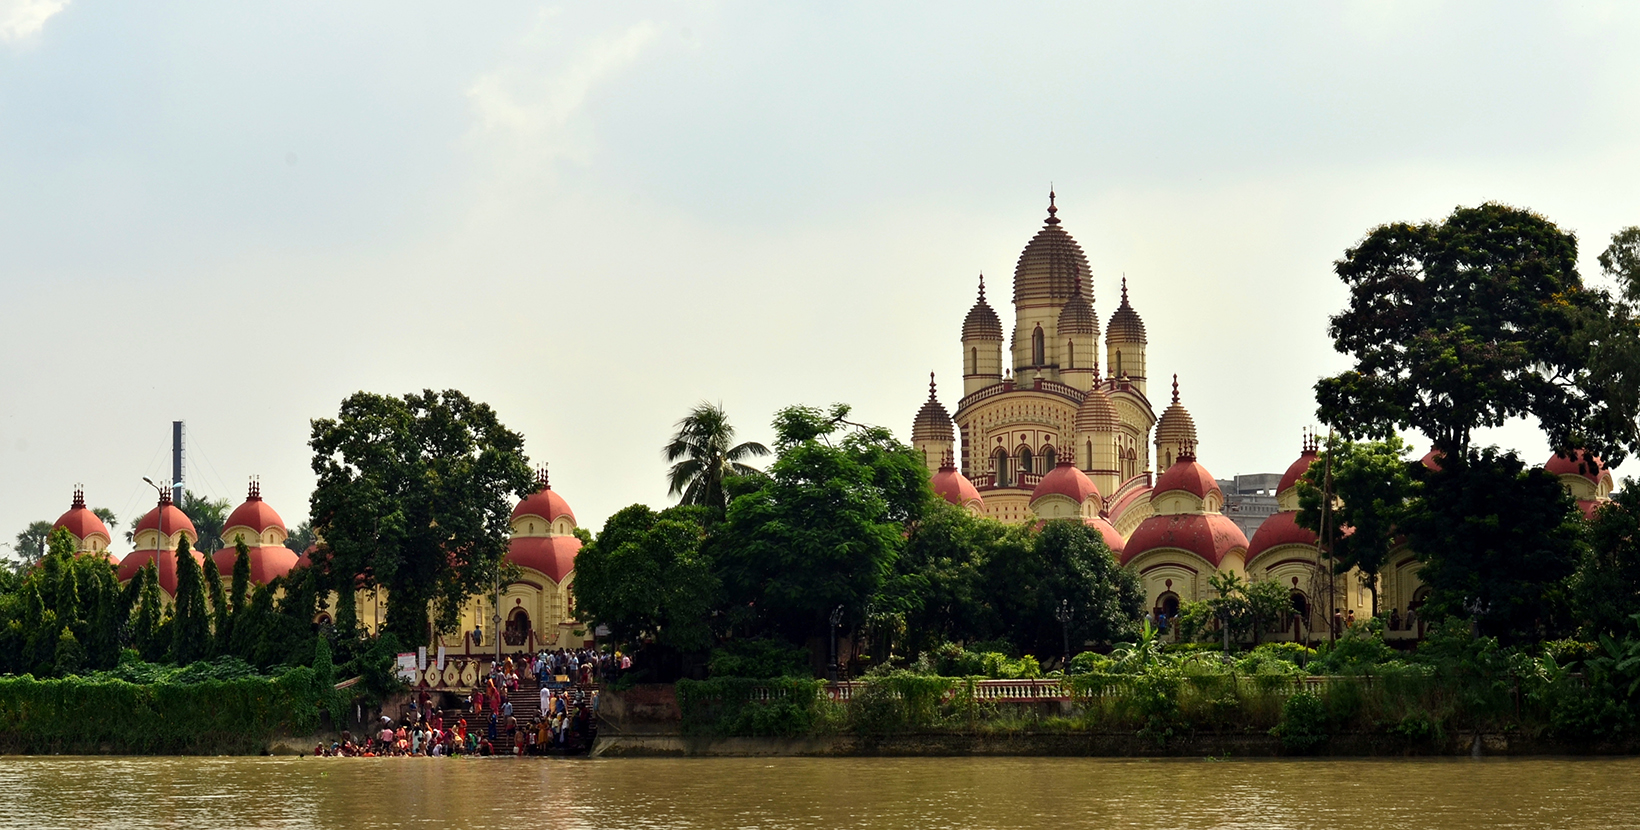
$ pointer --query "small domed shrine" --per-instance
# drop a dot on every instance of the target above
(157, 536)
(1584, 477)
(89, 532)
(1187, 539)
(257, 525)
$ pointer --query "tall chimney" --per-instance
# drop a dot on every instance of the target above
(176, 462)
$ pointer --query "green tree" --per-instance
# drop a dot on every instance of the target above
(238, 593)
(646, 578)
(704, 453)
(191, 626)
(300, 538)
(145, 629)
(414, 496)
(1372, 486)
(1498, 542)
(1606, 587)
(1467, 323)
(940, 591)
(824, 528)
(31, 544)
(208, 516)
(1066, 562)
(221, 619)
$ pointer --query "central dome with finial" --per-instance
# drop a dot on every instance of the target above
(1052, 267)
(1125, 325)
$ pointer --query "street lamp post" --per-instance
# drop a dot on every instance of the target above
(1063, 614)
(159, 523)
(836, 620)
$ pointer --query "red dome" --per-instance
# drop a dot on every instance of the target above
(254, 514)
(1577, 465)
(1065, 480)
(954, 487)
(1210, 536)
(165, 564)
(551, 555)
(1187, 475)
(1432, 459)
(174, 520)
(80, 521)
(1113, 540)
(1296, 469)
(1279, 530)
(267, 562)
(543, 502)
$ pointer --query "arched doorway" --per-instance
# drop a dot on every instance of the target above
(1167, 610)
(1301, 614)
(518, 628)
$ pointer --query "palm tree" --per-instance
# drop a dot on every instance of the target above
(703, 445)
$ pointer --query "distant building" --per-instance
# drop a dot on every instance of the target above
(1250, 499)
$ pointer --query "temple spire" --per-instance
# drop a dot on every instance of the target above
(1052, 208)
(1175, 387)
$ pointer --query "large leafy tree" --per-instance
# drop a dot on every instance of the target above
(940, 591)
(191, 618)
(1498, 542)
(414, 496)
(300, 538)
(1466, 323)
(1606, 588)
(1373, 487)
(647, 579)
(1067, 562)
(825, 527)
(704, 454)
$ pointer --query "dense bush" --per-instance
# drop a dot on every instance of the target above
(103, 714)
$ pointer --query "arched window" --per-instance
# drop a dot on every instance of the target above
(1025, 460)
(973, 360)
(1038, 348)
(1050, 458)
(1090, 455)
(999, 468)
(1117, 372)
(1070, 354)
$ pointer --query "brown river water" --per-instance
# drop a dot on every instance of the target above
(1032, 793)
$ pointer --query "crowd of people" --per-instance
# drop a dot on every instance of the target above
(563, 719)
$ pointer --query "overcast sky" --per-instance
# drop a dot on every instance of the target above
(592, 216)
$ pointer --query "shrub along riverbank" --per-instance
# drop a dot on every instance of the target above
(206, 708)
(1356, 694)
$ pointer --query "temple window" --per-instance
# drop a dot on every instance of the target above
(1038, 348)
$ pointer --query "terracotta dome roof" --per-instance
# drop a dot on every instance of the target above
(1096, 414)
(165, 564)
(1579, 464)
(80, 521)
(1113, 540)
(1211, 536)
(1065, 480)
(1432, 459)
(550, 555)
(982, 323)
(1188, 475)
(254, 514)
(1076, 317)
(1279, 530)
(543, 502)
(1052, 267)
(933, 423)
(167, 518)
(953, 486)
(1175, 426)
(267, 562)
(1125, 325)
(1298, 468)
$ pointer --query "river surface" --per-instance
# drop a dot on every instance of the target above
(1033, 793)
